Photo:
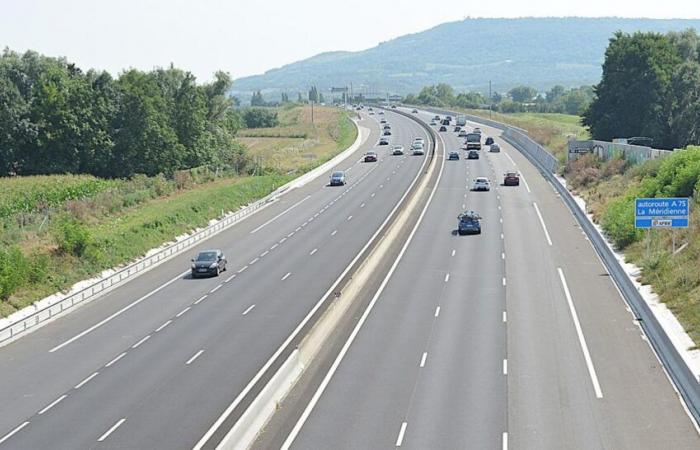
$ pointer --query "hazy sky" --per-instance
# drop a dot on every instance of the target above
(249, 37)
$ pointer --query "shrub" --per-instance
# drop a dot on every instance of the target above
(618, 222)
(71, 236)
(260, 118)
(14, 271)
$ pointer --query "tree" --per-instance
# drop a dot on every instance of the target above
(684, 102)
(320, 98)
(260, 118)
(554, 93)
(522, 94)
(257, 99)
(300, 99)
(313, 94)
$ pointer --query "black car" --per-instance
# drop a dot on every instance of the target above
(208, 262)
(469, 223)
(387, 133)
(371, 156)
(458, 128)
(443, 128)
(489, 140)
(473, 154)
(384, 141)
(337, 178)
(453, 156)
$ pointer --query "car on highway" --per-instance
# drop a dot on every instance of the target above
(477, 130)
(489, 140)
(448, 117)
(457, 129)
(419, 139)
(436, 117)
(453, 156)
(495, 148)
(386, 126)
(443, 128)
(370, 156)
(383, 120)
(462, 133)
(473, 154)
(433, 123)
(381, 113)
(383, 141)
(418, 148)
(415, 111)
(371, 113)
(208, 263)
(397, 150)
(481, 184)
(469, 223)
(386, 132)
(370, 109)
(445, 121)
(337, 178)
(511, 179)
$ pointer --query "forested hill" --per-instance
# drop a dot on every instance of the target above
(540, 52)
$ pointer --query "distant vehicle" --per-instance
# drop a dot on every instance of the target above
(433, 122)
(371, 113)
(473, 141)
(387, 132)
(338, 178)
(208, 262)
(415, 111)
(417, 144)
(386, 126)
(383, 120)
(453, 156)
(393, 106)
(495, 148)
(462, 133)
(511, 179)
(461, 120)
(443, 128)
(489, 140)
(448, 118)
(418, 151)
(381, 113)
(383, 141)
(419, 139)
(370, 109)
(445, 121)
(477, 130)
(469, 223)
(371, 156)
(473, 154)
(436, 117)
(481, 184)
(458, 128)
(397, 150)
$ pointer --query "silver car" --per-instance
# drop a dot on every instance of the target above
(495, 148)
(481, 184)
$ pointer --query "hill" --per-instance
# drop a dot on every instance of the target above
(540, 52)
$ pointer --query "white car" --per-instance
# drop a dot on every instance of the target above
(418, 148)
(419, 140)
(495, 148)
(481, 184)
(397, 150)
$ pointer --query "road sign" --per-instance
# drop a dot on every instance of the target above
(661, 212)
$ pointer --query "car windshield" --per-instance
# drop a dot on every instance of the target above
(337, 174)
(206, 256)
(472, 137)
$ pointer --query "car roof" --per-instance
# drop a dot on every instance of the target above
(481, 179)
(338, 173)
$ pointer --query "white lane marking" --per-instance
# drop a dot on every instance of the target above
(112, 362)
(227, 280)
(274, 246)
(291, 234)
(511, 159)
(306, 223)
(437, 311)
(281, 241)
(505, 441)
(349, 217)
(505, 316)
(503, 255)
(136, 345)
(373, 194)
(504, 281)
(297, 229)
(381, 186)
(281, 214)
(54, 403)
(13, 432)
(111, 430)
(313, 251)
(164, 325)
(423, 358)
(447, 277)
(500, 219)
(249, 309)
(286, 276)
(82, 383)
(334, 232)
(202, 297)
(527, 186)
(118, 313)
(195, 356)
(402, 431)
(242, 269)
(501, 235)
(334, 367)
(505, 367)
(581, 338)
(263, 254)
(215, 289)
(254, 261)
(317, 214)
(464, 206)
(453, 252)
(183, 311)
(544, 227)
(362, 205)
(499, 207)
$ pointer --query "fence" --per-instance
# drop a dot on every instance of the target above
(609, 150)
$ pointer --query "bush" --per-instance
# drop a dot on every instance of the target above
(260, 118)
(71, 237)
(14, 271)
(618, 222)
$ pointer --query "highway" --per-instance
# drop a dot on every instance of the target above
(155, 363)
(515, 338)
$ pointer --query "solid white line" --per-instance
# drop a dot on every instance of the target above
(202, 298)
(286, 276)
(54, 403)
(399, 440)
(163, 326)
(281, 214)
(196, 355)
(313, 251)
(118, 313)
(13, 432)
(437, 311)
(136, 345)
(447, 277)
(111, 430)
(423, 358)
(183, 311)
(250, 308)
(254, 261)
(334, 232)
(527, 186)
(544, 227)
(505, 316)
(79, 385)
(505, 367)
(581, 338)
(505, 441)
(242, 269)
(215, 289)
(511, 159)
(109, 364)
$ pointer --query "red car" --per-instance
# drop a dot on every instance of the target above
(511, 179)
(370, 157)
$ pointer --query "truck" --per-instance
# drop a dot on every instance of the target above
(461, 120)
(473, 141)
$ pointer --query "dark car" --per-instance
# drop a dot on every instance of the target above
(371, 157)
(443, 128)
(387, 133)
(458, 128)
(415, 111)
(453, 156)
(511, 179)
(473, 154)
(489, 141)
(383, 141)
(445, 121)
(208, 263)
(337, 178)
(469, 223)
(386, 126)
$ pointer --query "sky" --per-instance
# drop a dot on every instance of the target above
(246, 37)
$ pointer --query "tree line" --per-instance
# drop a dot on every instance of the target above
(650, 87)
(518, 99)
(57, 118)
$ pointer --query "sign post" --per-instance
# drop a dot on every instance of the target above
(650, 213)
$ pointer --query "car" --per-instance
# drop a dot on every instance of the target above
(415, 111)
(417, 145)
(337, 178)
(462, 133)
(445, 121)
(383, 141)
(495, 148)
(387, 132)
(397, 150)
(371, 113)
(469, 223)
(436, 117)
(473, 154)
(370, 109)
(370, 156)
(418, 151)
(448, 117)
(393, 106)
(386, 127)
(443, 128)
(511, 179)
(477, 130)
(208, 263)
(433, 123)
(489, 140)
(419, 139)
(458, 128)
(481, 184)
(383, 120)
(381, 113)
(453, 156)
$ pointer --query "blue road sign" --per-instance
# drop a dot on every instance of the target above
(661, 212)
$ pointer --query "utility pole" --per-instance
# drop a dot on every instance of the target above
(490, 100)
